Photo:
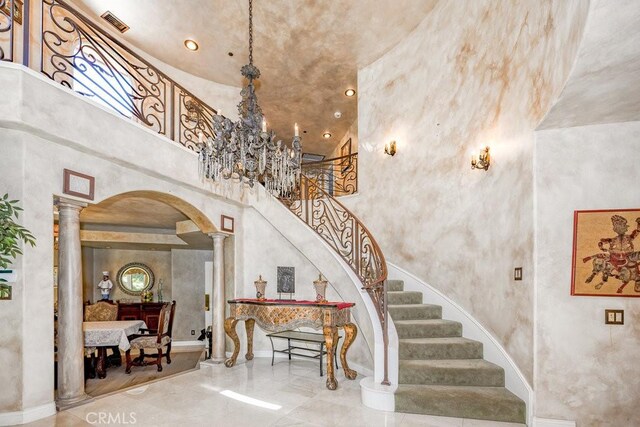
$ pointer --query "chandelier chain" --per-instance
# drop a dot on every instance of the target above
(246, 150)
(250, 32)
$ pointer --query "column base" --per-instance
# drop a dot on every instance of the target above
(62, 404)
(214, 361)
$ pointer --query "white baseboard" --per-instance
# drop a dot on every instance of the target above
(548, 422)
(28, 415)
(187, 344)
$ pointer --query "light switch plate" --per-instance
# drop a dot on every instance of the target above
(517, 273)
(614, 317)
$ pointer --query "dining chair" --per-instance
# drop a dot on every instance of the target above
(159, 339)
(104, 311)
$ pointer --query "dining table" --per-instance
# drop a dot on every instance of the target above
(103, 335)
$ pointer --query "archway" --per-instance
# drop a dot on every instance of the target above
(167, 234)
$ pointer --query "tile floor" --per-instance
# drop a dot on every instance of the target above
(287, 394)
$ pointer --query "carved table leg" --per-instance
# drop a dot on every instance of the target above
(248, 325)
(101, 366)
(350, 333)
(230, 328)
(331, 339)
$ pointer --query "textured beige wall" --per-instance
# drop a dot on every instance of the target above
(11, 312)
(89, 283)
(472, 73)
(188, 291)
(112, 260)
(585, 370)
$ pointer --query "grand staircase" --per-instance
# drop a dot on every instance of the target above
(442, 373)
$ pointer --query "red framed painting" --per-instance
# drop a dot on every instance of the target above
(606, 253)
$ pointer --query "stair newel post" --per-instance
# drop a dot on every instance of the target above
(385, 333)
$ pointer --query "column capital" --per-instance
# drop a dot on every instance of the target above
(219, 235)
(63, 202)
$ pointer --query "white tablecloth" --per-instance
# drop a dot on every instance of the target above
(108, 334)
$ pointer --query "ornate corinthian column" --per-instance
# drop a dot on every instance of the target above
(70, 335)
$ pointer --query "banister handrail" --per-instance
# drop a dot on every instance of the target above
(351, 239)
(331, 160)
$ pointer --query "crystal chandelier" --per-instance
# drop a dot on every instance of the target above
(245, 149)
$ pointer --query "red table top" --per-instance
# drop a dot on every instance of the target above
(338, 304)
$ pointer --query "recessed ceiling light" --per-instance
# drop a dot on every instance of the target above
(337, 114)
(191, 45)
(326, 135)
(350, 92)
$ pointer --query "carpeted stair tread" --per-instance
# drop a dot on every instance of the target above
(415, 311)
(483, 403)
(404, 297)
(395, 285)
(428, 328)
(440, 348)
(461, 372)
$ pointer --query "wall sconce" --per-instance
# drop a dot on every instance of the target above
(390, 148)
(483, 161)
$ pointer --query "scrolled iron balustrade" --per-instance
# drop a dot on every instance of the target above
(337, 176)
(194, 119)
(82, 57)
(348, 237)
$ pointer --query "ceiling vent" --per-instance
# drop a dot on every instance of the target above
(115, 21)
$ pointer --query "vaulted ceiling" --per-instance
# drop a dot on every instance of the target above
(308, 51)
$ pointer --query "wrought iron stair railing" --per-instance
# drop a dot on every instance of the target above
(337, 176)
(347, 236)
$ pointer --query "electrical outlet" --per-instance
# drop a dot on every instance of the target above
(614, 317)
(517, 273)
(193, 332)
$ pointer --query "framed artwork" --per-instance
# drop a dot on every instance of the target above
(17, 10)
(5, 291)
(227, 223)
(345, 150)
(606, 262)
(286, 280)
(78, 184)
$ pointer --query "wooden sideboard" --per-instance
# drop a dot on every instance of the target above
(149, 312)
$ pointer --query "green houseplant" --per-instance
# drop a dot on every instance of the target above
(11, 233)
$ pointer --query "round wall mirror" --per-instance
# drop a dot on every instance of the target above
(134, 278)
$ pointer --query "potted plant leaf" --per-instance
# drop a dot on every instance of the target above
(11, 234)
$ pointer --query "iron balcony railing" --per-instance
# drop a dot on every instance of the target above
(83, 57)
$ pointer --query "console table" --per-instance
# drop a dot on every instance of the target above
(282, 315)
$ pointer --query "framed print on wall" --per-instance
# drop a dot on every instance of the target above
(227, 223)
(606, 253)
(78, 184)
(345, 150)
